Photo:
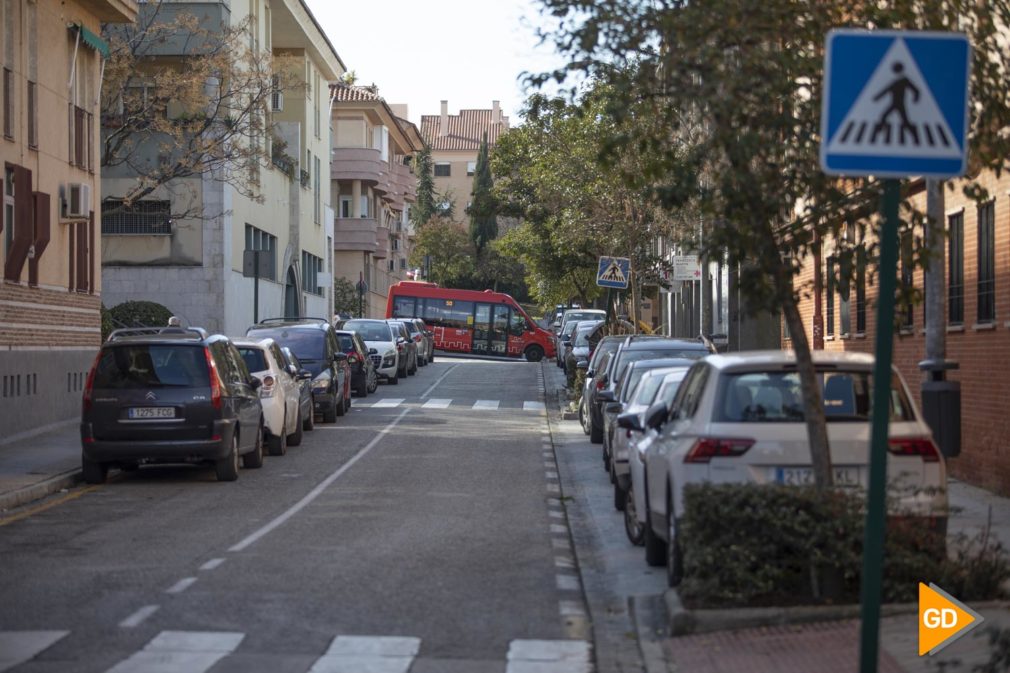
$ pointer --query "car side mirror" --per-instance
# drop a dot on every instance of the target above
(589, 372)
(613, 407)
(655, 416)
(292, 370)
(583, 364)
(373, 351)
(255, 383)
(566, 339)
(304, 375)
(605, 396)
(630, 421)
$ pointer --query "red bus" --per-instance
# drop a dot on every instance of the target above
(470, 321)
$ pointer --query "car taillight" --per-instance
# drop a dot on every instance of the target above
(399, 347)
(600, 385)
(707, 448)
(267, 389)
(215, 380)
(352, 359)
(89, 385)
(915, 446)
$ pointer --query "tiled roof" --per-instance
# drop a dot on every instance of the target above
(355, 94)
(465, 130)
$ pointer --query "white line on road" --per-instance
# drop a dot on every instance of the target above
(138, 617)
(567, 582)
(181, 585)
(551, 474)
(559, 529)
(314, 493)
(564, 562)
(211, 564)
(437, 381)
(17, 647)
(533, 406)
(571, 609)
(485, 405)
(548, 656)
(556, 514)
(181, 651)
(388, 403)
(435, 403)
(374, 654)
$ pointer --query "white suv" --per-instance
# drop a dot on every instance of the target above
(739, 419)
(280, 393)
(382, 346)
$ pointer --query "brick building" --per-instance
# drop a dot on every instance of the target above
(976, 314)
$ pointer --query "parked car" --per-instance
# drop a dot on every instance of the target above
(280, 393)
(615, 440)
(429, 340)
(170, 395)
(304, 378)
(597, 364)
(364, 380)
(404, 343)
(383, 349)
(417, 336)
(583, 343)
(314, 341)
(632, 348)
(569, 316)
(739, 419)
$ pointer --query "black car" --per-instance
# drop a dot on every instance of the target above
(364, 380)
(170, 395)
(314, 342)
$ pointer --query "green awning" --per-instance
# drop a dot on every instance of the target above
(92, 40)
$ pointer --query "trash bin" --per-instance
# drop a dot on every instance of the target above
(941, 406)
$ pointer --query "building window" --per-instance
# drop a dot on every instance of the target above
(257, 239)
(829, 308)
(312, 266)
(403, 263)
(315, 108)
(143, 217)
(79, 136)
(33, 115)
(8, 213)
(986, 263)
(442, 170)
(8, 104)
(844, 293)
(345, 206)
(955, 269)
(907, 281)
(861, 290)
(471, 168)
(317, 204)
(392, 265)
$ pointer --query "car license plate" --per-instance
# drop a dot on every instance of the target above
(151, 412)
(804, 476)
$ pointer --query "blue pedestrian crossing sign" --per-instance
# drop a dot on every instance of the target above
(895, 103)
(614, 272)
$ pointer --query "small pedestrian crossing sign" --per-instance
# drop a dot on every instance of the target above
(895, 103)
(613, 272)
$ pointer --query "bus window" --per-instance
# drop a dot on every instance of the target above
(436, 313)
(460, 314)
(403, 307)
(517, 324)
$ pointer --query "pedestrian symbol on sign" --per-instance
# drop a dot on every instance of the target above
(613, 272)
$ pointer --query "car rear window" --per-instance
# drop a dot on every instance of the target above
(346, 343)
(369, 330)
(411, 327)
(152, 366)
(583, 315)
(254, 358)
(775, 397)
(628, 356)
(646, 391)
(308, 344)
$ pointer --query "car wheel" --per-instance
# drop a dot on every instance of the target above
(595, 431)
(606, 459)
(309, 423)
(277, 445)
(94, 472)
(347, 403)
(534, 353)
(330, 415)
(226, 469)
(295, 438)
(431, 357)
(632, 527)
(362, 390)
(341, 405)
(375, 385)
(674, 556)
(620, 495)
(254, 459)
(655, 546)
(583, 420)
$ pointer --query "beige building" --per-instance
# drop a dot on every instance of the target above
(50, 325)
(372, 187)
(195, 266)
(455, 141)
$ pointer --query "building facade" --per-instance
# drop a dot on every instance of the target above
(455, 141)
(200, 267)
(50, 295)
(372, 188)
(976, 319)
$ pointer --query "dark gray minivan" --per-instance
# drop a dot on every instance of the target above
(170, 395)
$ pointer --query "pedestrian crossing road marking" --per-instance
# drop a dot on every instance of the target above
(190, 651)
(17, 647)
(476, 405)
(488, 405)
(436, 404)
(388, 403)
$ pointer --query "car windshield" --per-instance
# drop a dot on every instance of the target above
(775, 397)
(570, 327)
(629, 356)
(645, 393)
(671, 383)
(370, 330)
(254, 358)
(583, 333)
(307, 344)
(582, 315)
(151, 366)
(633, 377)
(411, 327)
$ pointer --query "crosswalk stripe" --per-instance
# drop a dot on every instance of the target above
(17, 647)
(388, 403)
(548, 656)
(181, 651)
(436, 404)
(485, 405)
(368, 654)
(533, 406)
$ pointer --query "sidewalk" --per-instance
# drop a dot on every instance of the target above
(32, 468)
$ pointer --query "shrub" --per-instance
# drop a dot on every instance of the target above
(140, 314)
(107, 324)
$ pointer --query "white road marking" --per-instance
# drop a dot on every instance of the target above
(388, 403)
(181, 652)
(437, 381)
(551, 474)
(548, 656)
(368, 654)
(567, 582)
(533, 406)
(556, 514)
(558, 529)
(559, 543)
(17, 647)
(434, 403)
(314, 493)
(553, 488)
(181, 585)
(138, 617)
(571, 609)
(485, 405)
(211, 564)
(563, 562)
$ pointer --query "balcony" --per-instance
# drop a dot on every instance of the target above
(406, 182)
(357, 163)
(357, 233)
(382, 243)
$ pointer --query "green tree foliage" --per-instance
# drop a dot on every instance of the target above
(483, 210)
(722, 100)
(450, 250)
(345, 297)
(139, 314)
(426, 205)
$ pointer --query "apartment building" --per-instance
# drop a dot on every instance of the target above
(50, 295)
(372, 188)
(201, 267)
(455, 141)
(976, 317)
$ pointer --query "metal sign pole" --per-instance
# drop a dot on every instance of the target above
(873, 538)
(256, 286)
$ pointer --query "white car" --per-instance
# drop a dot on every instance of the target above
(280, 393)
(739, 419)
(382, 345)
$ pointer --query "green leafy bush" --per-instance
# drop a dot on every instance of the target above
(140, 314)
(107, 324)
(749, 544)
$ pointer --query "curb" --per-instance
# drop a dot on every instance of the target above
(40, 489)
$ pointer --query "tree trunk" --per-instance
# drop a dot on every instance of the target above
(813, 408)
(935, 286)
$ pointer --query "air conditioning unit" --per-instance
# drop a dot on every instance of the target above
(277, 101)
(78, 201)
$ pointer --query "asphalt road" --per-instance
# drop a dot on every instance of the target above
(421, 532)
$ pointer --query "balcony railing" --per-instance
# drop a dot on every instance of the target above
(356, 233)
(356, 163)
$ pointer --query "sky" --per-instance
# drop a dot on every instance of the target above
(468, 52)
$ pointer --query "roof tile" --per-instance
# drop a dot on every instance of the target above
(465, 130)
